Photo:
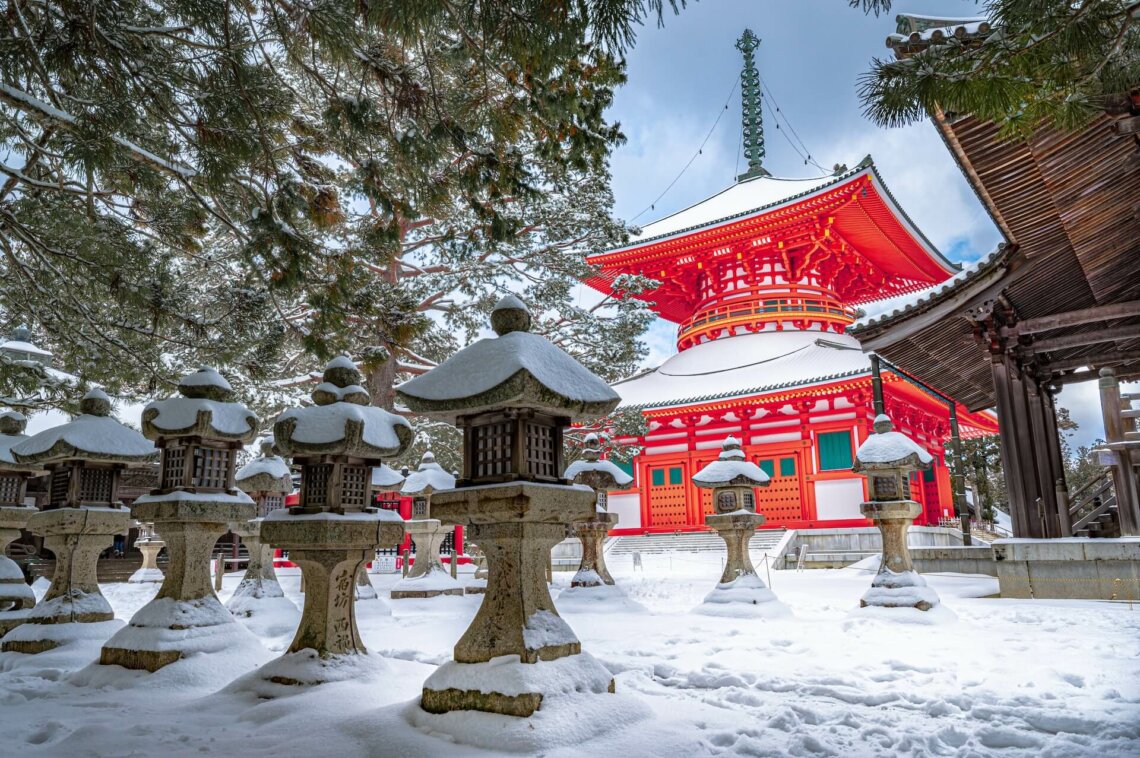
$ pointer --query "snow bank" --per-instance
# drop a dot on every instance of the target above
(601, 598)
(508, 675)
(145, 575)
(292, 673)
(435, 579)
(744, 597)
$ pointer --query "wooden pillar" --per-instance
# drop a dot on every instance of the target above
(959, 478)
(1123, 474)
(876, 384)
(1010, 452)
(1043, 461)
(1023, 436)
(1054, 441)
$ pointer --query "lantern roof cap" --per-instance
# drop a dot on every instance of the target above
(386, 478)
(206, 408)
(429, 477)
(341, 421)
(12, 425)
(888, 448)
(268, 472)
(730, 469)
(94, 434)
(516, 369)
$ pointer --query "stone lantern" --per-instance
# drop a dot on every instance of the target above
(267, 480)
(427, 577)
(15, 594)
(200, 433)
(600, 476)
(334, 529)
(887, 458)
(733, 480)
(84, 459)
(512, 396)
(150, 545)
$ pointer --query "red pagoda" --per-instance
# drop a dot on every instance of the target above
(763, 279)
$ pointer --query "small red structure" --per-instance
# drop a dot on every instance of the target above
(763, 280)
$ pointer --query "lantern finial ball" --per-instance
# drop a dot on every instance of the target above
(882, 424)
(510, 315)
(95, 403)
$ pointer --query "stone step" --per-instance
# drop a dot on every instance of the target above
(690, 542)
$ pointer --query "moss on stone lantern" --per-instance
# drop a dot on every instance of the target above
(199, 432)
(600, 476)
(733, 480)
(512, 396)
(84, 459)
(887, 458)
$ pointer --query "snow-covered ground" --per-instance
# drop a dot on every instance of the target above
(1009, 677)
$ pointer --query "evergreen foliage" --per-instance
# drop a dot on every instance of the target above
(258, 185)
(1044, 61)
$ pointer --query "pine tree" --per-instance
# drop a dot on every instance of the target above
(247, 183)
(1043, 61)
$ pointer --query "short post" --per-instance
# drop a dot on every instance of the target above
(601, 476)
(428, 577)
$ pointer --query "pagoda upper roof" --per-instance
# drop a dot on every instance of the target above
(883, 252)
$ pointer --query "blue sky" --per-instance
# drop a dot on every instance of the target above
(811, 56)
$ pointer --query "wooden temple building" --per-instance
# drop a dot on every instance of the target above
(763, 280)
(1059, 303)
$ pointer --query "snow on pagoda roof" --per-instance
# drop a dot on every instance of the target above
(429, 475)
(92, 434)
(763, 192)
(743, 365)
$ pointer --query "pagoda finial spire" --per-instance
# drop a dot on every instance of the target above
(752, 117)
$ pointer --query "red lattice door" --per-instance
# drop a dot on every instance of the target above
(781, 501)
(667, 496)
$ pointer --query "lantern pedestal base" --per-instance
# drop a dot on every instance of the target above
(897, 584)
(330, 549)
(15, 594)
(516, 525)
(428, 576)
(76, 536)
(149, 571)
(740, 592)
(260, 580)
(592, 571)
(186, 617)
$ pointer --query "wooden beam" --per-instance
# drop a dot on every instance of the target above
(1075, 318)
(1109, 358)
(1066, 341)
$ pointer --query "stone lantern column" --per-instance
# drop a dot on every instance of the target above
(15, 595)
(334, 529)
(732, 480)
(600, 476)
(150, 545)
(887, 459)
(267, 480)
(199, 434)
(84, 459)
(512, 396)
(427, 577)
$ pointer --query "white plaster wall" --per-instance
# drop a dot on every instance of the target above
(838, 499)
(628, 510)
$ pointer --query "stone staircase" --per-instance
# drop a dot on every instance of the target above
(1092, 509)
(764, 541)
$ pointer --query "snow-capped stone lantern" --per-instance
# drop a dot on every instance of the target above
(15, 594)
(512, 396)
(427, 577)
(150, 545)
(334, 530)
(84, 459)
(732, 480)
(600, 476)
(267, 480)
(200, 432)
(887, 458)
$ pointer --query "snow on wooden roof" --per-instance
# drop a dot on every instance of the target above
(915, 32)
(743, 365)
